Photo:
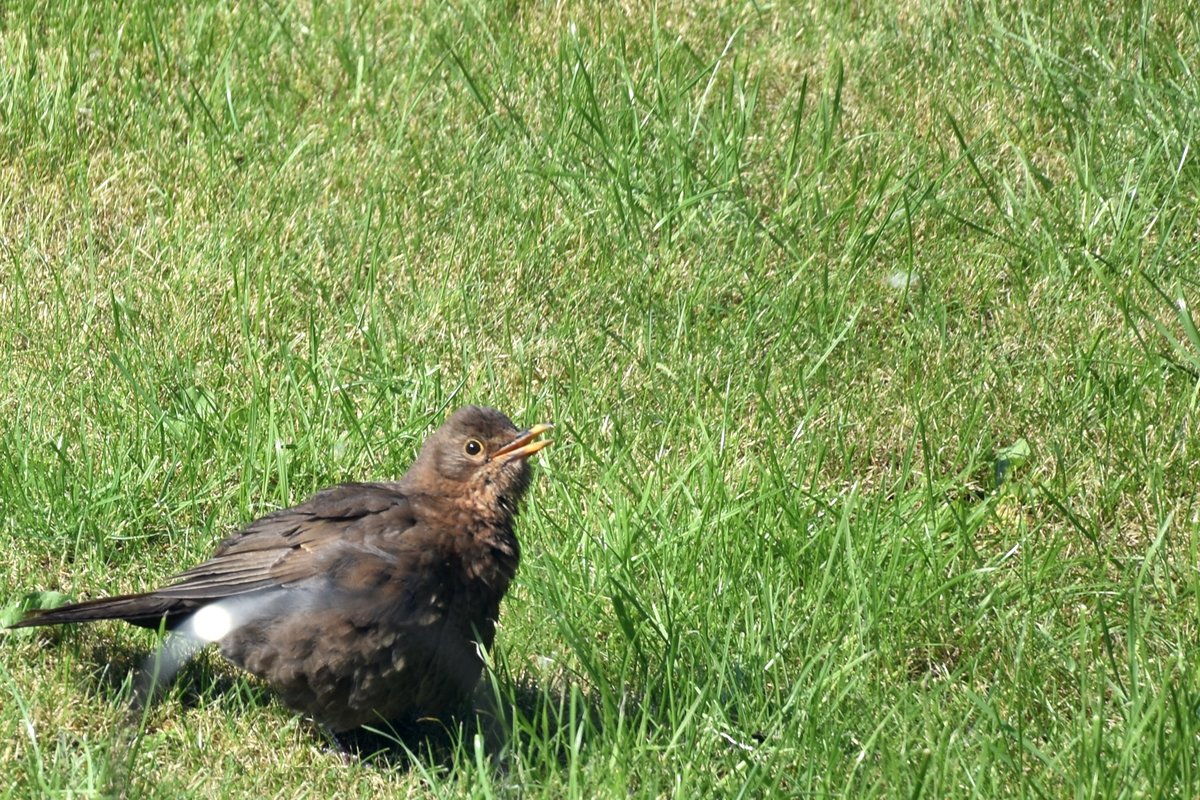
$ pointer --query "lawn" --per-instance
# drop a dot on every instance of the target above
(867, 329)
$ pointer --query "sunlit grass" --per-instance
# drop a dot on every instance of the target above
(867, 332)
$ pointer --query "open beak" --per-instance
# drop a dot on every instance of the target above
(524, 445)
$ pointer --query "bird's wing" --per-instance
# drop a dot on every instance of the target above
(299, 543)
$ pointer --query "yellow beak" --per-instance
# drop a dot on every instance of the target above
(524, 445)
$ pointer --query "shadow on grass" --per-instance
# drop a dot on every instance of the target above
(504, 720)
(504, 716)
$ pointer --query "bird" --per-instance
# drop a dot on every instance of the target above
(369, 602)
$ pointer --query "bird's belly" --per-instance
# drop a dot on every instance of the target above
(353, 663)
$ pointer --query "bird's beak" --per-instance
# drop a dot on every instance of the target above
(524, 445)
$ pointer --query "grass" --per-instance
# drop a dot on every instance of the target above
(867, 331)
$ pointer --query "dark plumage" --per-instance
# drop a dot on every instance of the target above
(366, 603)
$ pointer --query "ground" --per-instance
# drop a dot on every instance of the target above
(867, 330)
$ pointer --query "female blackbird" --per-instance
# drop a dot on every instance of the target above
(368, 602)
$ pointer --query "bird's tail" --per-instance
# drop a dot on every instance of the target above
(147, 610)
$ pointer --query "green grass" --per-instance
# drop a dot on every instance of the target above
(867, 332)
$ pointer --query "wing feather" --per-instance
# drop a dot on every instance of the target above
(288, 548)
(296, 544)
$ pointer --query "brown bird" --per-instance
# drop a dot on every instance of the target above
(367, 603)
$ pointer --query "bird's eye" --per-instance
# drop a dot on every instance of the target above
(473, 447)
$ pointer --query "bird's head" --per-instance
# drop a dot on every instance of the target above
(479, 453)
